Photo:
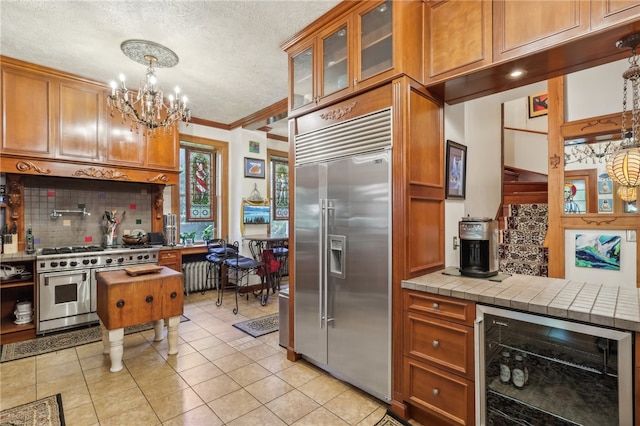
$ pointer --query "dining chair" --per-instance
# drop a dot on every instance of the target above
(218, 251)
(239, 268)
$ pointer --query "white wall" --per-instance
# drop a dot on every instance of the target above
(589, 93)
(477, 124)
(239, 186)
(524, 150)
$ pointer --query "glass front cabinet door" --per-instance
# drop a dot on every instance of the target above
(375, 44)
(302, 83)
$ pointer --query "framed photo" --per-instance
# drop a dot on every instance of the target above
(456, 177)
(254, 147)
(255, 213)
(253, 168)
(199, 185)
(280, 189)
(538, 105)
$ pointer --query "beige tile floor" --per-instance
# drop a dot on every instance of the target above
(221, 376)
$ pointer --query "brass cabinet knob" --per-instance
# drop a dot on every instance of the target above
(436, 392)
(436, 306)
(436, 343)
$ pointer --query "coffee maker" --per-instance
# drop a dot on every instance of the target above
(478, 247)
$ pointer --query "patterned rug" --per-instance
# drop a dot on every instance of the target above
(391, 419)
(259, 326)
(43, 412)
(62, 340)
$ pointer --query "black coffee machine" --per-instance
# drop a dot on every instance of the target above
(478, 247)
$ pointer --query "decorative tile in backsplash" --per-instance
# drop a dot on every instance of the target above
(43, 195)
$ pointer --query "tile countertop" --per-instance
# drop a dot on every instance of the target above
(606, 305)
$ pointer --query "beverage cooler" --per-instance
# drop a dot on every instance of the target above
(534, 370)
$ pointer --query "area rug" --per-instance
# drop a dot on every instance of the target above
(391, 419)
(62, 340)
(43, 412)
(259, 326)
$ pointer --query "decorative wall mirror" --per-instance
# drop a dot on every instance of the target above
(587, 145)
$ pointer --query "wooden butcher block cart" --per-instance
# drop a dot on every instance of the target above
(134, 296)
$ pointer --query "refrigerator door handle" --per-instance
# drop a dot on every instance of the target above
(323, 250)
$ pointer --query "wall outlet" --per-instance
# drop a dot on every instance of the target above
(631, 235)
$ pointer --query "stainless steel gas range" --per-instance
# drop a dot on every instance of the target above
(67, 281)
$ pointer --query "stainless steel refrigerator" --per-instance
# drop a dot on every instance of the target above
(343, 267)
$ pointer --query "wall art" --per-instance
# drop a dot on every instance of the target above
(598, 251)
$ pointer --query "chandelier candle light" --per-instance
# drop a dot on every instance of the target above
(623, 166)
(148, 107)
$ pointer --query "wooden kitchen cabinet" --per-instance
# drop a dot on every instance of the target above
(605, 13)
(50, 117)
(171, 259)
(18, 289)
(438, 358)
(524, 27)
(57, 124)
(458, 37)
(357, 47)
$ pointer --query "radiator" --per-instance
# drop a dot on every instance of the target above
(195, 276)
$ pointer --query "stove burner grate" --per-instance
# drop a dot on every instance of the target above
(69, 250)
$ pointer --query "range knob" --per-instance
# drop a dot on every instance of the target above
(94, 261)
(139, 257)
(146, 256)
(54, 264)
(63, 263)
(85, 261)
(109, 260)
(73, 263)
(120, 259)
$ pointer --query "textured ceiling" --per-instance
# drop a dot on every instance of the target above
(231, 64)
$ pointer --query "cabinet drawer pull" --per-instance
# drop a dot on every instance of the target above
(120, 303)
(436, 392)
(149, 299)
(174, 295)
(436, 343)
(435, 306)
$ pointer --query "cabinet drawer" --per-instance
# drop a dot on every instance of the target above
(441, 307)
(444, 343)
(444, 395)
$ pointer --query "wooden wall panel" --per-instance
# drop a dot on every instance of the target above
(426, 244)
(425, 149)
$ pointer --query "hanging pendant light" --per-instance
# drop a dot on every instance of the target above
(623, 166)
(628, 193)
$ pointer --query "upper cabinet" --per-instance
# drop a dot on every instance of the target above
(457, 37)
(609, 12)
(524, 27)
(354, 48)
(57, 124)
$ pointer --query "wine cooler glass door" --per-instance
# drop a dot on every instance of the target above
(535, 370)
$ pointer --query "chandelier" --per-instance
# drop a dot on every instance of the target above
(147, 107)
(623, 166)
(589, 152)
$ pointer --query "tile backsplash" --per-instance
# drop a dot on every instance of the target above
(44, 194)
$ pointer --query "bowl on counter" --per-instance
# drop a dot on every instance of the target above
(136, 237)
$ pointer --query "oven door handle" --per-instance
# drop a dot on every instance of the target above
(46, 281)
(84, 276)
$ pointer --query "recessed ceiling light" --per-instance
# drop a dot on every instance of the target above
(516, 73)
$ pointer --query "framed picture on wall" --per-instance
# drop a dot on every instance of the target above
(199, 185)
(538, 105)
(253, 168)
(456, 177)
